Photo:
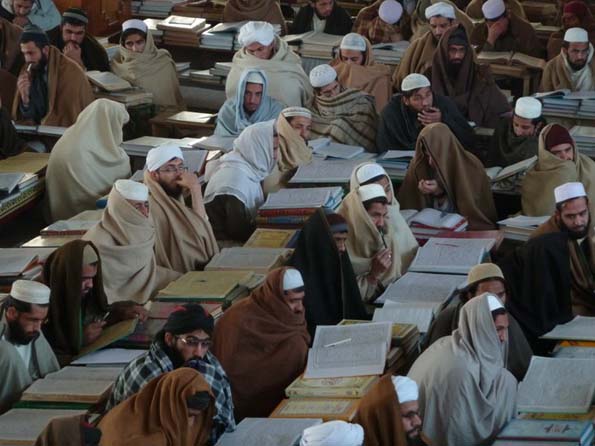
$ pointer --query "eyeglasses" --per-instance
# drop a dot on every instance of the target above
(192, 341)
(174, 169)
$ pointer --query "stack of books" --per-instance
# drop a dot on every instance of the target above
(529, 432)
(390, 53)
(159, 9)
(429, 222)
(202, 8)
(566, 103)
(584, 136)
(221, 69)
(314, 44)
(521, 227)
(182, 31)
(396, 162)
(110, 86)
(24, 170)
(154, 31)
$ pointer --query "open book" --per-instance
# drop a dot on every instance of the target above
(215, 142)
(421, 287)
(581, 328)
(267, 432)
(417, 313)
(312, 197)
(511, 58)
(259, 260)
(434, 219)
(325, 172)
(500, 173)
(330, 149)
(108, 81)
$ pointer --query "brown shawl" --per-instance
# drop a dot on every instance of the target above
(420, 24)
(69, 91)
(262, 346)
(373, 78)
(184, 239)
(473, 9)
(63, 431)
(376, 30)
(417, 59)
(254, 10)
(62, 272)
(158, 414)
(10, 50)
(582, 269)
(555, 74)
(461, 174)
(473, 90)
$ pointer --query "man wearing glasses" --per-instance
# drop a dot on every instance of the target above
(184, 341)
(184, 237)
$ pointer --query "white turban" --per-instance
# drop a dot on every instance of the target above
(369, 171)
(414, 81)
(353, 41)
(132, 190)
(296, 111)
(576, 35)
(440, 9)
(30, 292)
(160, 155)
(390, 11)
(371, 191)
(492, 9)
(528, 108)
(569, 191)
(405, 388)
(333, 433)
(292, 279)
(252, 32)
(322, 75)
(135, 24)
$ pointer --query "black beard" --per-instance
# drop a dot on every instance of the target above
(573, 235)
(417, 441)
(18, 335)
(453, 69)
(40, 66)
(577, 67)
(174, 193)
(174, 356)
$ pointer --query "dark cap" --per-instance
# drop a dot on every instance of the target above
(33, 33)
(187, 318)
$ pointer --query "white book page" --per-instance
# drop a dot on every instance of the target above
(246, 258)
(325, 171)
(421, 287)
(449, 255)
(437, 219)
(420, 314)
(267, 432)
(310, 197)
(581, 328)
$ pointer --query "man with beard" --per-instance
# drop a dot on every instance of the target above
(322, 15)
(457, 75)
(184, 238)
(184, 341)
(573, 217)
(573, 68)
(25, 355)
(51, 89)
(417, 106)
(75, 42)
(576, 14)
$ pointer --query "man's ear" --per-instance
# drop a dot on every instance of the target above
(11, 314)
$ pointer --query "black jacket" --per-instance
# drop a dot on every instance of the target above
(338, 23)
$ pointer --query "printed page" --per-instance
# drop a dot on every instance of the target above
(419, 314)
(311, 197)
(267, 432)
(581, 328)
(447, 255)
(325, 171)
(421, 287)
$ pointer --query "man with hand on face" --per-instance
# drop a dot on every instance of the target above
(75, 42)
(184, 341)
(323, 16)
(25, 354)
(413, 109)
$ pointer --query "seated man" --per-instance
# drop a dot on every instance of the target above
(439, 177)
(576, 14)
(558, 162)
(416, 107)
(125, 239)
(323, 16)
(418, 57)
(25, 355)
(473, 9)
(254, 10)
(485, 278)
(79, 310)
(334, 432)
(41, 13)
(261, 49)
(383, 22)
(457, 75)
(184, 237)
(464, 374)
(346, 115)
(75, 42)
(389, 413)
(250, 105)
(51, 89)
(356, 68)
(11, 60)
(515, 139)
(262, 343)
(371, 243)
(505, 31)
(184, 341)
(573, 217)
(573, 68)
(142, 64)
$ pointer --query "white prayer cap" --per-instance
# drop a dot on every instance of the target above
(353, 41)
(322, 75)
(296, 111)
(160, 155)
(252, 32)
(370, 191)
(390, 11)
(494, 303)
(292, 279)
(132, 190)
(414, 81)
(135, 24)
(255, 77)
(528, 108)
(568, 191)
(576, 35)
(440, 9)
(30, 292)
(333, 433)
(405, 388)
(492, 9)
(369, 171)
(89, 255)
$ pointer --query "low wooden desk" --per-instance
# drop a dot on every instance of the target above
(517, 72)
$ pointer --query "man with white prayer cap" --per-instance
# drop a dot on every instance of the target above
(353, 49)
(384, 21)
(515, 139)
(333, 433)
(25, 354)
(184, 237)
(322, 16)
(573, 68)
(346, 115)
(504, 30)
(413, 109)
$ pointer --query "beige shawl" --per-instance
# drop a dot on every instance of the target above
(153, 70)
(184, 240)
(537, 193)
(420, 24)
(288, 83)
(473, 9)
(125, 239)
(254, 10)
(556, 73)
(87, 160)
(373, 78)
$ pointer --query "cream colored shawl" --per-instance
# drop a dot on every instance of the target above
(153, 70)
(125, 240)
(185, 240)
(537, 193)
(473, 9)
(254, 10)
(87, 160)
(288, 83)
(557, 74)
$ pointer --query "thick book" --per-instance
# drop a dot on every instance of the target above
(332, 171)
(179, 23)
(68, 227)
(267, 432)
(110, 335)
(23, 426)
(9, 182)
(511, 58)
(422, 287)
(436, 220)
(548, 430)
(326, 409)
(402, 335)
(501, 173)
(420, 314)
(15, 263)
(271, 238)
(68, 390)
(25, 162)
(108, 81)
(340, 387)
(204, 286)
(301, 199)
(259, 260)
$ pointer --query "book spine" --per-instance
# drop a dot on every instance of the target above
(286, 212)
(282, 220)
(62, 233)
